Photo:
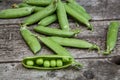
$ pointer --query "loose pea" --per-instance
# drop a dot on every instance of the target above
(77, 43)
(55, 32)
(40, 14)
(48, 20)
(38, 2)
(62, 16)
(59, 63)
(53, 63)
(112, 35)
(46, 63)
(30, 39)
(78, 17)
(16, 13)
(39, 61)
(29, 62)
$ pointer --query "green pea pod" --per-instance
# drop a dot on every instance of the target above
(40, 14)
(78, 17)
(77, 5)
(77, 43)
(82, 13)
(112, 37)
(48, 20)
(30, 39)
(62, 16)
(57, 62)
(55, 32)
(36, 8)
(16, 13)
(38, 2)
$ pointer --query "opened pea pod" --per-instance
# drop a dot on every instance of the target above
(47, 62)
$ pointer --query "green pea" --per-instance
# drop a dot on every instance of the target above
(82, 13)
(29, 62)
(53, 63)
(71, 42)
(38, 2)
(78, 17)
(62, 16)
(48, 20)
(55, 32)
(36, 8)
(112, 35)
(16, 13)
(40, 14)
(77, 5)
(39, 61)
(30, 39)
(46, 63)
(59, 63)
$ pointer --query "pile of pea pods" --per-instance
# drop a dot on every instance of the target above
(46, 12)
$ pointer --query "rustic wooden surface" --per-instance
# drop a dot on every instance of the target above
(96, 66)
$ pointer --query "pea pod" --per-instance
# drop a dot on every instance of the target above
(48, 20)
(78, 17)
(16, 13)
(38, 2)
(30, 39)
(77, 43)
(50, 62)
(40, 14)
(82, 13)
(112, 37)
(55, 32)
(62, 16)
(77, 5)
(36, 8)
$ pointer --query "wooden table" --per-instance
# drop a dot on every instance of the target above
(96, 66)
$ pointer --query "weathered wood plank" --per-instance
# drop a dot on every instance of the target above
(98, 9)
(94, 69)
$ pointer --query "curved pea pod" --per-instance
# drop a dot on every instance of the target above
(55, 32)
(40, 14)
(62, 16)
(112, 37)
(16, 13)
(77, 43)
(30, 39)
(36, 8)
(77, 5)
(57, 62)
(78, 17)
(82, 13)
(38, 2)
(48, 20)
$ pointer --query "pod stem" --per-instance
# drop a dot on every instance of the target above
(15, 6)
(77, 65)
(91, 27)
(95, 47)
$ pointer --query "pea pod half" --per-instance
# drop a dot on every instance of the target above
(49, 62)
(112, 37)
(16, 13)
(30, 39)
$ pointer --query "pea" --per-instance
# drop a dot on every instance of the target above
(62, 16)
(78, 17)
(48, 20)
(54, 32)
(40, 14)
(46, 63)
(38, 2)
(39, 61)
(112, 35)
(29, 62)
(53, 63)
(59, 63)
(16, 13)
(30, 39)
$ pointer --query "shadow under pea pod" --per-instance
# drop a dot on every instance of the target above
(115, 60)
